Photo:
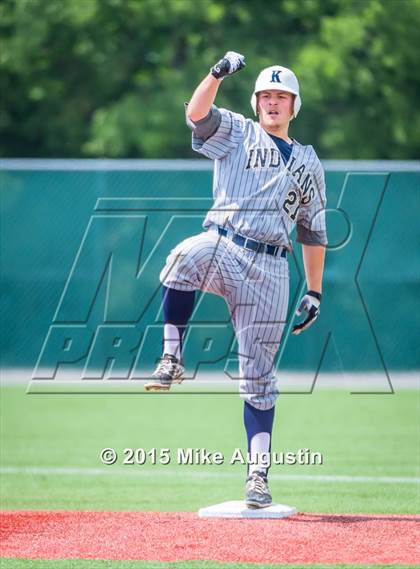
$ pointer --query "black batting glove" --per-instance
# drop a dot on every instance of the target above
(230, 63)
(310, 304)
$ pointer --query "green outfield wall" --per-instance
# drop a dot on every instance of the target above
(82, 244)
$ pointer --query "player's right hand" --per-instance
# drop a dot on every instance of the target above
(230, 63)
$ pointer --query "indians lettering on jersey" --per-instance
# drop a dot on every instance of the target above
(271, 158)
(251, 183)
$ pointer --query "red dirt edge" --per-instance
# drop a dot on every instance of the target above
(304, 538)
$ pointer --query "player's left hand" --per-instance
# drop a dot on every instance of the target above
(230, 63)
(310, 304)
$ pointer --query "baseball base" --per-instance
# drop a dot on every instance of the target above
(238, 509)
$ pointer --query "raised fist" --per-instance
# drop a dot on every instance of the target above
(229, 64)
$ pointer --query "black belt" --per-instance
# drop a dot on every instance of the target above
(252, 245)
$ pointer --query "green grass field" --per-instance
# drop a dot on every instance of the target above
(358, 435)
(374, 436)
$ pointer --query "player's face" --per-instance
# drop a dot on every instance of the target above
(275, 108)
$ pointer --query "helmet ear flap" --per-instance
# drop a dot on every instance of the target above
(254, 104)
(297, 103)
(294, 113)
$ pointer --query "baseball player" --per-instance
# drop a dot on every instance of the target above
(265, 183)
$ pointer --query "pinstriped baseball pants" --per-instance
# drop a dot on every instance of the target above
(255, 287)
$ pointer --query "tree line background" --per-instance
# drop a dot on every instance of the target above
(108, 78)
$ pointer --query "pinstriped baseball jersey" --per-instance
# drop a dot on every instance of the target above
(261, 197)
(255, 193)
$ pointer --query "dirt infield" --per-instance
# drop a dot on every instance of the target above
(304, 538)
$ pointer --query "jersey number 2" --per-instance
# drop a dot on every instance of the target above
(291, 204)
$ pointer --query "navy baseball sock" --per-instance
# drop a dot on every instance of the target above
(259, 426)
(178, 306)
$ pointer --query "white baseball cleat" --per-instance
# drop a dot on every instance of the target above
(257, 494)
(169, 370)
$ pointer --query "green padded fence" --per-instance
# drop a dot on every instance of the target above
(82, 244)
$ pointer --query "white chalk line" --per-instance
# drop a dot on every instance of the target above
(139, 471)
(288, 382)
